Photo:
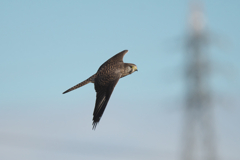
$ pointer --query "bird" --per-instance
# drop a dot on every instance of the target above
(105, 80)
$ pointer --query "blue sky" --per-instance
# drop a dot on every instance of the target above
(48, 46)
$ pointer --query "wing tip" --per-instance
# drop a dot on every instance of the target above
(94, 125)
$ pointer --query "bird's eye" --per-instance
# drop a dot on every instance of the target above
(131, 66)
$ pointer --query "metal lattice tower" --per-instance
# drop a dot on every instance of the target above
(198, 133)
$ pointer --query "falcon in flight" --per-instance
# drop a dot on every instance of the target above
(105, 80)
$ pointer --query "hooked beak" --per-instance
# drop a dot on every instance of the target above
(135, 68)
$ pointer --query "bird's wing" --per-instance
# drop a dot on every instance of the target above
(116, 58)
(103, 96)
(119, 56)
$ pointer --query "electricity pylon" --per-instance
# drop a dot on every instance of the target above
(198, 133)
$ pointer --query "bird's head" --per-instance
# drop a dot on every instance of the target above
(130, 68)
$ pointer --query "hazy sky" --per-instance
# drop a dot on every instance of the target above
(47, 47)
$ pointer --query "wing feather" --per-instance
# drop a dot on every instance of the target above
(103, 95)
(116, 58)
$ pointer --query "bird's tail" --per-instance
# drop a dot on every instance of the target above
(90, 79)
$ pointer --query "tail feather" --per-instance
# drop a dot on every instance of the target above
(90, 79)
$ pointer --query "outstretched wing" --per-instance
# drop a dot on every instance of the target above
(116, 58)
(103, 96)
(119, 56)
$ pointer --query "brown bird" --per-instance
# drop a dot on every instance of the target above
(105, 80)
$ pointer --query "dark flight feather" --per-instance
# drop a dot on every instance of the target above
(103, 96)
